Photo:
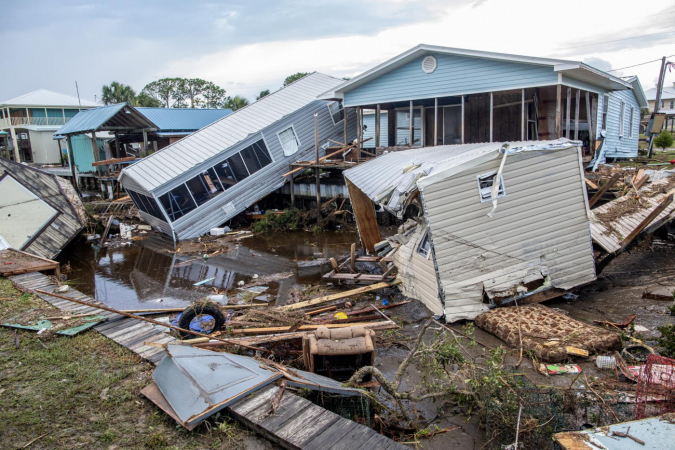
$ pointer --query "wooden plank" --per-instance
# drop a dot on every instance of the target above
(640, 181)
(272, 330)
(334, 264)
(352, 255)
(591, 184)
(291, 406)
(105, 162)
(598, 195)
(340, 295)
(293, 429)
(366, 219)
(331, 435)
(248, 404)
(649, 219)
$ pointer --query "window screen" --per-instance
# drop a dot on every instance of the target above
(289, 141)
(485, 182)
(337, 112)
(251, 160)
(204, 186)
(177, 202)
(225, 174)
(262, 153)
(605, 109)
(238, 167)
(146, 204)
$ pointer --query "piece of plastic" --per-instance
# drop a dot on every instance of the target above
(605, 362)
(340, 315)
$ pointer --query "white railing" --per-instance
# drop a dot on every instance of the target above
(39, 121)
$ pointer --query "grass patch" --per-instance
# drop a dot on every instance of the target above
(84, 392)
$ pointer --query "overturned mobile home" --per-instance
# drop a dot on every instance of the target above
(205, 179)
(476, 243)
(40, 212)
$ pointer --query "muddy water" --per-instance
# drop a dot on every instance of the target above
(147, 274)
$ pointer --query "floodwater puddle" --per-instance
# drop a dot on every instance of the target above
(147, 275)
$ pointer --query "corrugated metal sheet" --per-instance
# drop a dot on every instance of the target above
(98, 118)
(539, 234)
(43, 97)
(183, 119)
(172, 161)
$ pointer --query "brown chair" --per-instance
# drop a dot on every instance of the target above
(339, 352)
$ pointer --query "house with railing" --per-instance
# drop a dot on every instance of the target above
(31, 120)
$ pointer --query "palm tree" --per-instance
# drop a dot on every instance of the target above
(143, 99)
(117, 92)
(236, 102)
(264, 93)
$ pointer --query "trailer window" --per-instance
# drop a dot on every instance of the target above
(289, 141)
(337, 112)
(425, 245)
(205, 186)
(177, 202)
(485, 182)
(146, 204)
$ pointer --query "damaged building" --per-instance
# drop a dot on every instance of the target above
(460, 96)
(472, 242)
(205, 179)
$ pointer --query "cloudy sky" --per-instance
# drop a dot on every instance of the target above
(249, 46)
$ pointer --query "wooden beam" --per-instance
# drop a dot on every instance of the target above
(589, 118)
(492, 102)
(558, 113)
(346, 139)
(292, 188)
(591, 184)
(568, 107)
(366, 218)
(317, 171)
(576, 115)
(352, 257)
(598, 195)
(649, 219)
(105, 162)
(339, 295)
(323, 158)
(382, 325)
(641, 181)
(377, 126)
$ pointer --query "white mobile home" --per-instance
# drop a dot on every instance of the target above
(205, 179)
(476, 244)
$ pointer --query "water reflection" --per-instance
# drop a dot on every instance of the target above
(148, 275)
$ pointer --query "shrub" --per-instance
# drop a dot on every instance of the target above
(287, 221)
(664, 140)
(667, 340)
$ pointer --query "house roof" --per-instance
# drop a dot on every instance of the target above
(182, 119)
(637, 89)
(404, 171)
(162, 166)
(106, 118)
(43, 97)
(573, 69)
(668, 93)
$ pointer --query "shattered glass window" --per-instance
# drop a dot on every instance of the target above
(485, 182)
(337, 112)
(177, 202)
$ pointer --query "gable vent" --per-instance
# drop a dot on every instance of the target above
(429, 64)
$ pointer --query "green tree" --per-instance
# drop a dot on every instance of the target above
(262, 94)
(144, 100)
(236, 102)
(117, 92)
(664, 140)
(168, 91)
(296, 76)
(214, 96)
(192, 89)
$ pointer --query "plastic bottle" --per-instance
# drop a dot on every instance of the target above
(605, 362)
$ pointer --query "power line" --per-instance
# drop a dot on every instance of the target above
(618, 40)
(641, 64)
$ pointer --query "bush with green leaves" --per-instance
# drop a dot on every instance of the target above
(664, 140)
(289, 220)
(667, 340)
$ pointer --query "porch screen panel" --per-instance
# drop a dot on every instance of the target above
(177, 202)
(238, 167)
(452, 125)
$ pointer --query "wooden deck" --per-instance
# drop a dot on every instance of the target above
(125, 331)
(297, 423)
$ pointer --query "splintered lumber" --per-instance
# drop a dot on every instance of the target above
(352, 258)
(370, 308)
(591, 184)
(598, 195)
(641, 181)
(649, 219)
(105, 162)
(256, 340)
(321, 310)
(323, 158)
(339, 295)
(107, 230)
(381, 325)
(141, 318)
(172, 310)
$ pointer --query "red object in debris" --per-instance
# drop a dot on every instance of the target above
(656, 388)
(672, 161)
(8, 263)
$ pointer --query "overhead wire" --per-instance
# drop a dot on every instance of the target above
(618, 40)
(641, 64)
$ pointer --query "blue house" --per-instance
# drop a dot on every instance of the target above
(438, 95)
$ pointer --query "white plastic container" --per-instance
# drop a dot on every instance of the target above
(217, 231)
(605, 362)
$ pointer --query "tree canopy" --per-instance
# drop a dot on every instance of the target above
(236, 102)
(262, 94)
(186, 93)
(117, 92)
(296, 76)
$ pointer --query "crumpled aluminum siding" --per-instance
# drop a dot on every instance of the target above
(161, 167)
(183, 119)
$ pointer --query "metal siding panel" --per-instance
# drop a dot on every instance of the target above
(524, 234)
(615, 146)
(453, 75)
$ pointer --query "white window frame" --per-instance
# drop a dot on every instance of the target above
(502, 189)
(420, 250)
(632, 121)
(622, 117)
(605, 112)
(342, 108)
(297, 140)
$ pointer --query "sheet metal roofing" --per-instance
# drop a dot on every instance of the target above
(43, 97)
(160, 167)
(378, 175)
(183, 119)
(98, 118)
(667, 94)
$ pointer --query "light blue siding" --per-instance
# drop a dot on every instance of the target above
(616, 146)
(83, 154)
(454, 75)
(369, 123)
